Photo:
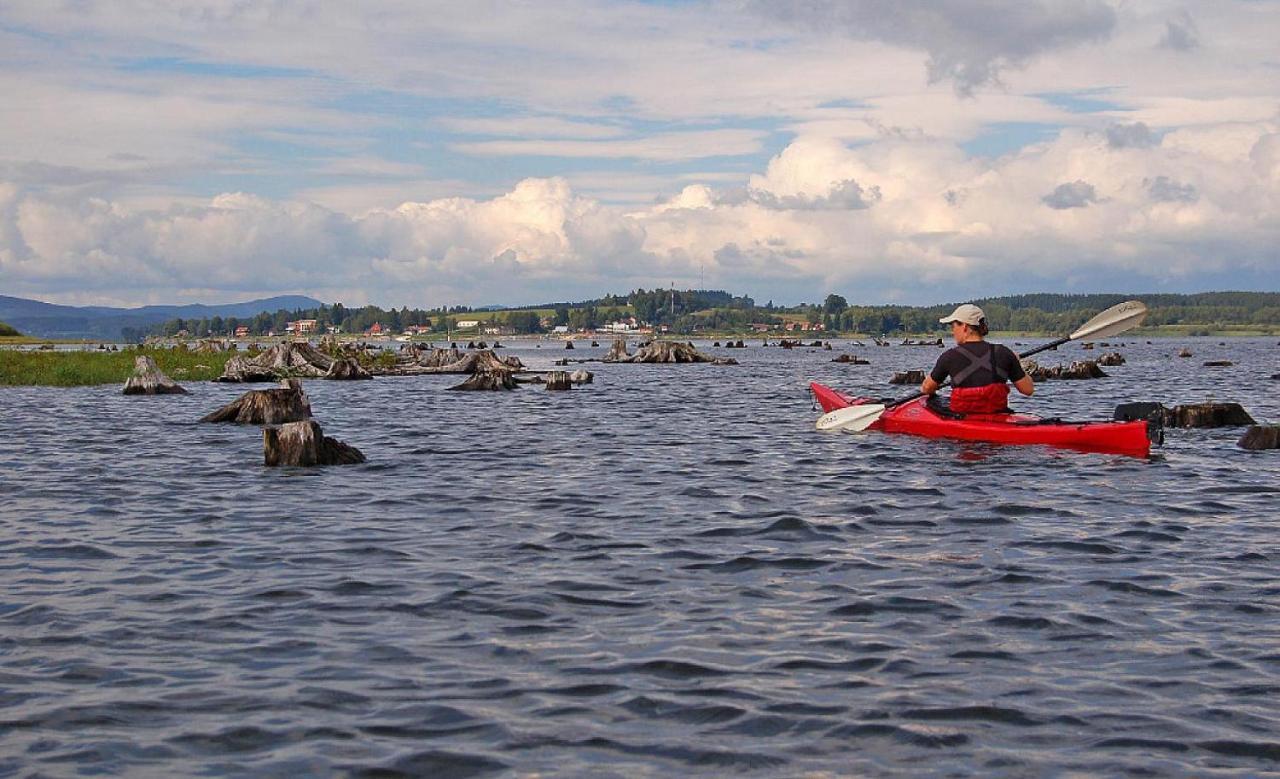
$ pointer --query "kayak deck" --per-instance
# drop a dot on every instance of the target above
(917, 418)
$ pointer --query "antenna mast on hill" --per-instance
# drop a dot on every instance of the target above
(673, 299)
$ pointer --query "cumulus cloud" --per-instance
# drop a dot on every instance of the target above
(968, 41)
(1124, 136)
(843, 196)
(1180, 34)
(940, 225)
(1166, 190)
(1074, 194)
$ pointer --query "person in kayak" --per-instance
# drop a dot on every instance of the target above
(979, 371)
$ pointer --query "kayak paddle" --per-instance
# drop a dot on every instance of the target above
(1115, 320)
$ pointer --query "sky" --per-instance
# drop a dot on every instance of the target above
(399, 152)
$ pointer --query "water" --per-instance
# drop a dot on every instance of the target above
(668, 572)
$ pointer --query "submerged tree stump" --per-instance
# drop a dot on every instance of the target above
(666, 352)
(1111, 359)
(1084, 369)
(568, 344)
(618, 351)
(282, 361)
(305, 444)
(1185, 352)
(908, 377)
(1208, 415)
(266, 407)
(492, 380)
(1260, 437)
(582, 377)
(854, 360)
(242, 370)
(148, 379)
(346, 368)
(559, 380)
(1218, 364)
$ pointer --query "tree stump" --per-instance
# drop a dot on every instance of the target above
(147, 379)
(908, 377)
(346, 368)
(1111, 359)
(1218, 364)
(559, 380)
(853, 359)
(667, 352)
(568, 344)
(305, 444)
(1208, 415)
(488, 380)
(1184, 353)
(1085, 369)
(618, 351)
(1260, 437)
(279, 362)
(266, 407)
(582, 377)
(242, 370)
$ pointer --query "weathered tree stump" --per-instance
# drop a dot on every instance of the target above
(715, 345)
(1208, 415)
(305, 444)
(568, 344)
(284, 360)
(148, 379)
(1086, 345)
(618, 351)
(582, 377)
(907, 377)
(1218, 364)
(595, 344)
(491, 380)
(1085, 369)
(242, 370)
(559, 380)
(1184, 353)
(854, 360)
(266, 407)
(471, 344)
(670, 352)
(345, 369)
(1260, 437)
(1111, 359)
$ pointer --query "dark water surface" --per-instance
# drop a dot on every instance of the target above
(666, 573)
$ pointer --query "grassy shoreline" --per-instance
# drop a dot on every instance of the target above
(89, 368)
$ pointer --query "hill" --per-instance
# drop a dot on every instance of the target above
(48, 320)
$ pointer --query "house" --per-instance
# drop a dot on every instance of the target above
(376, 329)
(467, 324)
(301, 327)
(560, 329)
(242, 331)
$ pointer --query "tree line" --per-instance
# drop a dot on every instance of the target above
(691, 311)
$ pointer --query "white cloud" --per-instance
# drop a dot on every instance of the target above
(1156, 214)
(664, 147)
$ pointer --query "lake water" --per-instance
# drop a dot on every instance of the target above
(665, 573)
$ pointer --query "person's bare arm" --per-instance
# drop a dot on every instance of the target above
(1025, 385)
(930, 386)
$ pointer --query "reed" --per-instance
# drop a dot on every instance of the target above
(87, 368)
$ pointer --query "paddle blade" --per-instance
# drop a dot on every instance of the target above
(1115, 320)
(850, 419)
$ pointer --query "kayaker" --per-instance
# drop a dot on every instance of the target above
(979, 371)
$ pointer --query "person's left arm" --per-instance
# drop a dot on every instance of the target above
(1021, 381)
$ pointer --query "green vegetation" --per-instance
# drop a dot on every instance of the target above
(690, 312)
(6, 330)
(82, 368)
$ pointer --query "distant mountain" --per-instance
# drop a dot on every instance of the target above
(47, 320)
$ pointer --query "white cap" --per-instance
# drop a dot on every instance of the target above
(967, 313)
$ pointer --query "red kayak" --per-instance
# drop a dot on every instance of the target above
(918, 417)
